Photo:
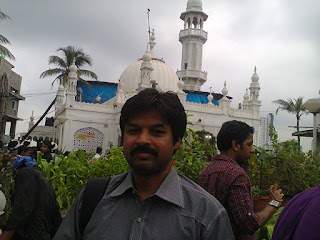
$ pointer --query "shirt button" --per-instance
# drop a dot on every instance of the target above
(139, 220)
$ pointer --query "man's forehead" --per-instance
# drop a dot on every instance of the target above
(148, 114)
(249, 137)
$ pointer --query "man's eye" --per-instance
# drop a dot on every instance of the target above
(132, 130)
(157, 131)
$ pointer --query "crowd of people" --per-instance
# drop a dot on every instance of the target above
(152, 200)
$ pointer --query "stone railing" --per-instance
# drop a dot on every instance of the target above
(192, 73)
(193, 32)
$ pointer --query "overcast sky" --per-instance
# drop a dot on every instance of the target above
(280, 37)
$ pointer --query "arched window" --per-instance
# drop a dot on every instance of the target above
(88, 139)
(209, 141)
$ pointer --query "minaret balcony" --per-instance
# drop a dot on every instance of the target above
(193, 32)
(192, 74)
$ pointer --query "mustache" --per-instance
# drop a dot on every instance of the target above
(143, 149)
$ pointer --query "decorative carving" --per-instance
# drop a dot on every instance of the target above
(88, 139)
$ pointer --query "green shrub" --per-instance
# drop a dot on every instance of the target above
(193, 155)
(293, 170)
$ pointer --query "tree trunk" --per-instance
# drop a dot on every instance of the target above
(298, 130)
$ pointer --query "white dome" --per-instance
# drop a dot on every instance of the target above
(166, 78)
(194, 5)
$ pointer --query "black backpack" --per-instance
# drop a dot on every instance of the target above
(92, 195)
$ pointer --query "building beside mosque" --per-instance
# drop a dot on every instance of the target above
(265, 123)
(89, 117)
(10, 86)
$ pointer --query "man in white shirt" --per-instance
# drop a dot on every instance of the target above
(98, 154)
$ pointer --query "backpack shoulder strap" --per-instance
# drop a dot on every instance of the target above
(92, 195)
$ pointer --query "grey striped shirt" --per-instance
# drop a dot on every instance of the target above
(180, 209)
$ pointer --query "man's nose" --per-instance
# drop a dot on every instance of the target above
(144, 138)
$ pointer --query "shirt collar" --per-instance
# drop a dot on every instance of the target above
(124, 186)
(225, 158)
(170, 190)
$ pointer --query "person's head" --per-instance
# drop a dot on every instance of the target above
(22, 162)
(66, 153)
(99, 150)
(152, 126)
(46, 146)
(237, 137)
(23, 150)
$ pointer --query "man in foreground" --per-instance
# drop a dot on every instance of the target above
(151, 201)
(300, 218)
(225, 179)
(35, 212)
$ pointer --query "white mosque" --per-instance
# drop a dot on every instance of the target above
(89, 117)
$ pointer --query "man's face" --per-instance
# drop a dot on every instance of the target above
(245, 150)
(44, 148)
(26, 153)
(148, 144)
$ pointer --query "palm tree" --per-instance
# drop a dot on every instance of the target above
(294, 106)
(4, 52)
(65, 62)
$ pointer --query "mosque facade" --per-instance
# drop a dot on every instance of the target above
(88, 117)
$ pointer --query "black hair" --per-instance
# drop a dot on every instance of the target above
(22, 148)
(99, 150)
(66, 153)
(233, 130)
(167, 104)
(48, 144)
(12, 144)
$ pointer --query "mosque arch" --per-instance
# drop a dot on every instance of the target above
(195, 22)
(189, 22)
(209, 140)
(88, 139)
(205, 136)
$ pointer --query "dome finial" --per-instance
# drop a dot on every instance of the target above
(73, 67)
(255, 77)
(246, 95)
(32, 117)
(152, 43)
(225, 90)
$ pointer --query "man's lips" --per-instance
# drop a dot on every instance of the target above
(144, 155)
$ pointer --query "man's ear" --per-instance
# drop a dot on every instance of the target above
(177, 144)
(235, 145)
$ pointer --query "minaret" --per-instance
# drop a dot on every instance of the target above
(254, 103)
(245, 100)
(59, 98)
(146, 69)
(72, 83)
(224, 102)
(192, 38)
(152, 43)
(254, 86)
(31, 122)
